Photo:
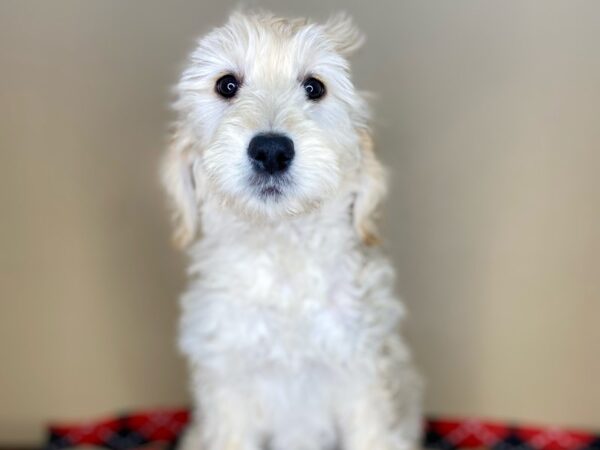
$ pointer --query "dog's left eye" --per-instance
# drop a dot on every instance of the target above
(314, 88)
(227, 86)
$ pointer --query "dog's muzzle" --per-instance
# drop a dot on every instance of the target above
(271, 154)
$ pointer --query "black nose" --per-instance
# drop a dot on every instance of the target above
(271, 153)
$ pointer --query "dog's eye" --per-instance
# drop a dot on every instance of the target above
(314, 88)
(227, 86)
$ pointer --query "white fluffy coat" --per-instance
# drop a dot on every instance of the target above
(290, 322)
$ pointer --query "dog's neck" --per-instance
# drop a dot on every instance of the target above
(317, 255)
(327, 230)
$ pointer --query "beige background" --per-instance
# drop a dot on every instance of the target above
(487, 117)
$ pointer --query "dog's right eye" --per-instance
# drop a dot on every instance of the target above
(315, 89)
(227, 86)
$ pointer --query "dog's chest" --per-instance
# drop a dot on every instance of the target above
(255, 307)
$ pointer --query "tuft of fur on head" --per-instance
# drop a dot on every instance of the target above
(343, 34)
(207, 159)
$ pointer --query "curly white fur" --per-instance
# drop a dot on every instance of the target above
(290, 323)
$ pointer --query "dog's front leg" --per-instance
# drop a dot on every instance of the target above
(385, 415)
(224, 422)
(195, 437)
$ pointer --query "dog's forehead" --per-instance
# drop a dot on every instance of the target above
(272, 49)
(283, 58)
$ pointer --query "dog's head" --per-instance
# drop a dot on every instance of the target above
(270, 124)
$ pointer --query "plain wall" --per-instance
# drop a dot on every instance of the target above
(487, 117)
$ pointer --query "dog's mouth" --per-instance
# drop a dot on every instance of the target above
(270, 191)
(269, 187)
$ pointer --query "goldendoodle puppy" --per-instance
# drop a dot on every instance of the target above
(290, 322)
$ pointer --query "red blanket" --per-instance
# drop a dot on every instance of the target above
(161, 429)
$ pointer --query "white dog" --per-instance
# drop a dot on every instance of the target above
(290, 323)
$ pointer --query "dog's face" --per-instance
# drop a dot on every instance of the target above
(270, 122)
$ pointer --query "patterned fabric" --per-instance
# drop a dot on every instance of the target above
(457, 434)
(126, 432)
(159, 430)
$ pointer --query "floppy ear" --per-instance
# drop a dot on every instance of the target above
(345, 36)
(372, 187)
(179, 181)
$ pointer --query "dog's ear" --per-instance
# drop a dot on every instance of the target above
(343, 33)
(179, 180)
(371, 189)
